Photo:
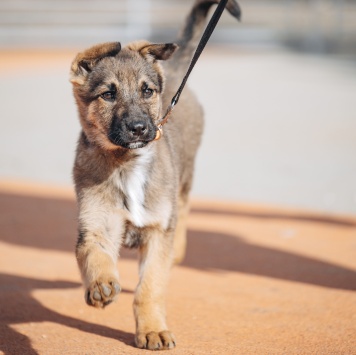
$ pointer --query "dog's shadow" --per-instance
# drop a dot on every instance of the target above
(48, 224)
(18, 306)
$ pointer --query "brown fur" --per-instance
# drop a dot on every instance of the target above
(131, 190)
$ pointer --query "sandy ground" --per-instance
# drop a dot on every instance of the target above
(256, 280)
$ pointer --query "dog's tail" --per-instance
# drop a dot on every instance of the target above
(194, 26)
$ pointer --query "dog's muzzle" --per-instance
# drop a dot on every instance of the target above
(132, 134)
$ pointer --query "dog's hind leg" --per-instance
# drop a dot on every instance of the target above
(149, 305)
(180, 237)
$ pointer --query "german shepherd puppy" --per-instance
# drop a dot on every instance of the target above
(132, 190)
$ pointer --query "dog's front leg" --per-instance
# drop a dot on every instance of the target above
(156, 257)
(97, 252)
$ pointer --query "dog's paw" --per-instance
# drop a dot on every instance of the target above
(155, 341)
(102, 292)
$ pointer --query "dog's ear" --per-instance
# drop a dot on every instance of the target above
(153, 52)
(84, 62)
(159, 51)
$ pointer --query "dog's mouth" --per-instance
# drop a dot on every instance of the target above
(133, 144)
(136, 145)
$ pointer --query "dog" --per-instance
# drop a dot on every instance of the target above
(132, 189)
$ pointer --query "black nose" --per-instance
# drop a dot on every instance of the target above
(137, 128)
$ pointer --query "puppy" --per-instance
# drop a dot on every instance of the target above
(132, 190)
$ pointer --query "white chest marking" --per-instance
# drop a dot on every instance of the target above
(132, 183)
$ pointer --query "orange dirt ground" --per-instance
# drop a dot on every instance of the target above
(256, 280)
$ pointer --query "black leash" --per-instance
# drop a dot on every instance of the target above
(203, 41)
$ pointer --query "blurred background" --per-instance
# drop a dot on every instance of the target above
(278, 90)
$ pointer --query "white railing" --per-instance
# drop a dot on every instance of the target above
(66, 22)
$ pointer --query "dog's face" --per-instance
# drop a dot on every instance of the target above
(118, 92)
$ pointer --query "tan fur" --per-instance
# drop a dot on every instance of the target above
(180, 238)
(149, 303)
(132, 190)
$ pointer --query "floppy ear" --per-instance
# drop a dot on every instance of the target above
(84, 62)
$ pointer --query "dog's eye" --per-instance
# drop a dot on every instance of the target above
(108, 95)
(147, 92)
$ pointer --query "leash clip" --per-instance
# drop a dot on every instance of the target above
(163, 121)
(159, 132)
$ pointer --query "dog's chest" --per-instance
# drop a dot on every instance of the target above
(132, 182)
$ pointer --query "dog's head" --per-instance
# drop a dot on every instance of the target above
(118, 92)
